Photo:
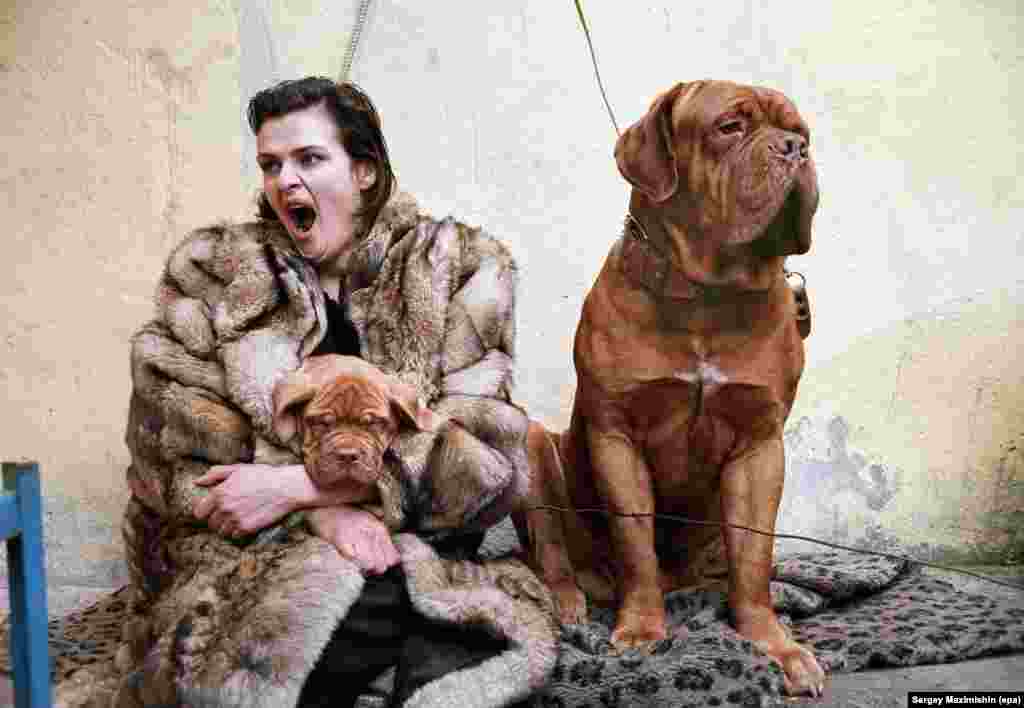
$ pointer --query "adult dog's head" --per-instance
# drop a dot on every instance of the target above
(730, 163)
(348, 412)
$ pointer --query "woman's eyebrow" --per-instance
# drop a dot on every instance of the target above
(295, 150)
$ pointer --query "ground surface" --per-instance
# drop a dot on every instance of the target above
(883, 688)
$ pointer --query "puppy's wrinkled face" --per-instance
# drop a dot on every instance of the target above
(731, 162)
(346, 428)
(348, 412)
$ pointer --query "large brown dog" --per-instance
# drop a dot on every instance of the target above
(348, 412)
(687, 357)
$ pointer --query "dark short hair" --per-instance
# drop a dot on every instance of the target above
(358, 125)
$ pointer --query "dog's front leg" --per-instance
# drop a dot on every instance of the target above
(751, 490)
(623, 481)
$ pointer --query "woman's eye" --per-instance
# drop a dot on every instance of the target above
(309, 159)
(269, 168)
(731, 127)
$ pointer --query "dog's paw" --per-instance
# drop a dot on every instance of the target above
(802, 672)
(570, 603)
(639, 630)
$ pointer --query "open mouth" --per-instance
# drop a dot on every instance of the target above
(303, 217)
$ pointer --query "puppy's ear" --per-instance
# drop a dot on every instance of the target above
(645, 153)
(411, 409)
(291, 394)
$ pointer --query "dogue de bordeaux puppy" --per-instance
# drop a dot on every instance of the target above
(687, 357)
(348, 412)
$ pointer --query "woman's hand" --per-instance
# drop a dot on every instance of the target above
(245, 498)
(358, 535)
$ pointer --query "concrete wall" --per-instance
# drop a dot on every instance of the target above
(123, 128)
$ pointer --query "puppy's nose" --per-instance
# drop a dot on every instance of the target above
(348, 456)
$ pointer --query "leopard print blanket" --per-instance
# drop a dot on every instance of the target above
(856, 611)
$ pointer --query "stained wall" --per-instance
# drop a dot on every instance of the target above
(123, 128)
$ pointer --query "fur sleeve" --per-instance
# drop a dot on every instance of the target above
(231, 317)
(469, 475)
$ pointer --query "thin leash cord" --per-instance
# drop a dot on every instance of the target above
(362, 12)
(597, 72)
(796, 537)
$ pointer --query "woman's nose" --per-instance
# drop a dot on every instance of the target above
(288, 178)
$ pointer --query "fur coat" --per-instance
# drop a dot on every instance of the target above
(216, 623)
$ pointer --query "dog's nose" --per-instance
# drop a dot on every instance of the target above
(792, 146)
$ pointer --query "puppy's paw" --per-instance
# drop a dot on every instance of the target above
(570, 602)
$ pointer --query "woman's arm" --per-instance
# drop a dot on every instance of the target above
(245, 498)
(229, 317)
(471, 473)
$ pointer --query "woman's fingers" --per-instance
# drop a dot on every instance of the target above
(204, 507)
(256, 495)
(214, 475)
(378, 553)
(387, 554)
(218, 520)
(223, 521)
(358, 536)
(375, 556)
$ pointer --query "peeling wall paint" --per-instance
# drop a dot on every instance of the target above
(837, 493)
(914, 435)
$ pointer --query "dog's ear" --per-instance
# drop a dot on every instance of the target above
(645, 153)
(291, 394)
(410, 407)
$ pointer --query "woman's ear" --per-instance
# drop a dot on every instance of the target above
(364, 174)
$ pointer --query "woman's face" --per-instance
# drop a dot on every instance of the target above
(311, 183)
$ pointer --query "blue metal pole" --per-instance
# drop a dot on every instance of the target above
(30, 655)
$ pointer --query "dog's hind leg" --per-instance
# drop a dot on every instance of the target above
(542, 531)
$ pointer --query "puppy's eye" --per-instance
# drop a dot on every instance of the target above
(731, 127)
(318, 425)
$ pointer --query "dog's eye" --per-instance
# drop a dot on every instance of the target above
(731, 127)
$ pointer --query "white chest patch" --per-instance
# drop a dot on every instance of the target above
(705, 374)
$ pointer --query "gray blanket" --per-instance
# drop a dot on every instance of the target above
(856, 611)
